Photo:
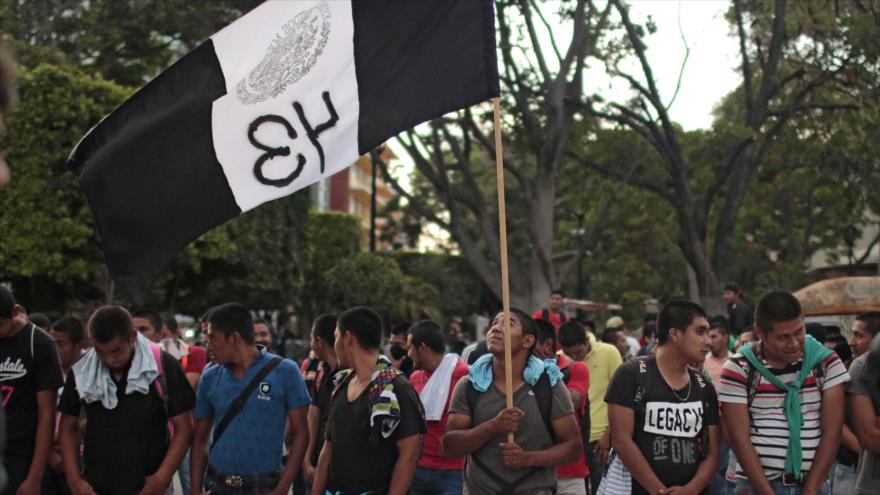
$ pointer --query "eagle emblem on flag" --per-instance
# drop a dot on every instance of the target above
(289, 58)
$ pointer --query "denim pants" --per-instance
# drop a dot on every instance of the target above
(719, 479)
(843, 479)
(436, 482)
(743, 487)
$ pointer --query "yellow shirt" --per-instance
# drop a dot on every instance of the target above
(603, 361)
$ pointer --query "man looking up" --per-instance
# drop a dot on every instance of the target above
(243, 406)
(573, 477)
(603, 360)
(322, 345)
(785, 390)
(376, 420)
(553, 313)
(434, 379)
(546, 432)
(30, 375)
(663, 455)
(130, 391)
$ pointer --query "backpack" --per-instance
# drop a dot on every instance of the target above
(583, 417)
(162, 386)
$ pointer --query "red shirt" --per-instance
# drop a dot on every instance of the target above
(552, 317)
(431, 456)
(579, 381)
(195, 360)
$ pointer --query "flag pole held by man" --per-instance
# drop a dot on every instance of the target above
(288, 94)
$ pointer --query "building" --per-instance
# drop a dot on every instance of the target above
(349, 191)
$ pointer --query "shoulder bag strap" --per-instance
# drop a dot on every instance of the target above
(238, 404)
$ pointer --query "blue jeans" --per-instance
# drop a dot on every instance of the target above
(436, 482)
(843, 479)
(183, 473)
(719, 480)
(743, 487)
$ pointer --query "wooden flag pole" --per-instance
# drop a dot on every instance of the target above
(502, 231)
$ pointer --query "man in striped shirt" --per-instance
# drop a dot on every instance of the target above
(783, 446)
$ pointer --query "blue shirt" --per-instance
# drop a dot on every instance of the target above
(252, 443)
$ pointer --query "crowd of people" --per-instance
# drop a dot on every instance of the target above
(122, 403)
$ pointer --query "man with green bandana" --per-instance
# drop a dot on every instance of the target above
(781, 403)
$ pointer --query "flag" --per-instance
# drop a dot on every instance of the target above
(291, 92)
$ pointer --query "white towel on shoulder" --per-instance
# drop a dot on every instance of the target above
(436, 391)
(94, 383)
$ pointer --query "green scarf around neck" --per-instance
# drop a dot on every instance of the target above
(814, 353)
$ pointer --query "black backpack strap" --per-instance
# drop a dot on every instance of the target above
(545, 314)
(239, 402)
(544, 397)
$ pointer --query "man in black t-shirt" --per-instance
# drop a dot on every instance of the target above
(376, 421)
(663, 415)
(126, 447)
(30, 375)
(322, 345)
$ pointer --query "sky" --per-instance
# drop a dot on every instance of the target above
(710, 72)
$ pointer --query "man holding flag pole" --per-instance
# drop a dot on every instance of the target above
(288, 94)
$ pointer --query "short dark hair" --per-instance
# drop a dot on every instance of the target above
(676, 314)
(733, 287)
(41, 320)
(71, 327)
(557, 291)
(528, 324)
(776, 307)
(610, 335)
(110, 322)
(817, 331)
(150, 315)
(650, 328)
(364, 323)
(719, 322)
(7, 303)
(429, 333)
(871, 320)
(169, 321)
(545, 331)
(230, 318)
(264, 321)
(325, 326)
(572, 333)
(401, 328)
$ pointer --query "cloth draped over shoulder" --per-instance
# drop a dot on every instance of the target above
(94, 383)
(814, 353)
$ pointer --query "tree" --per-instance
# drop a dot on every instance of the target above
(50, 247)
(126, 41)
(777, 87)
(365, 279)
(542, 86)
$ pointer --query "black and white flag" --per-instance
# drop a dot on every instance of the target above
(289, 93)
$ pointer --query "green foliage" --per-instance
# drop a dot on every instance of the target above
(127, 41)
(48, 228)
(365, 279)
(448, 286)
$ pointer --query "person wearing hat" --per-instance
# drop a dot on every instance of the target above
(739, 312)
(616, 323)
